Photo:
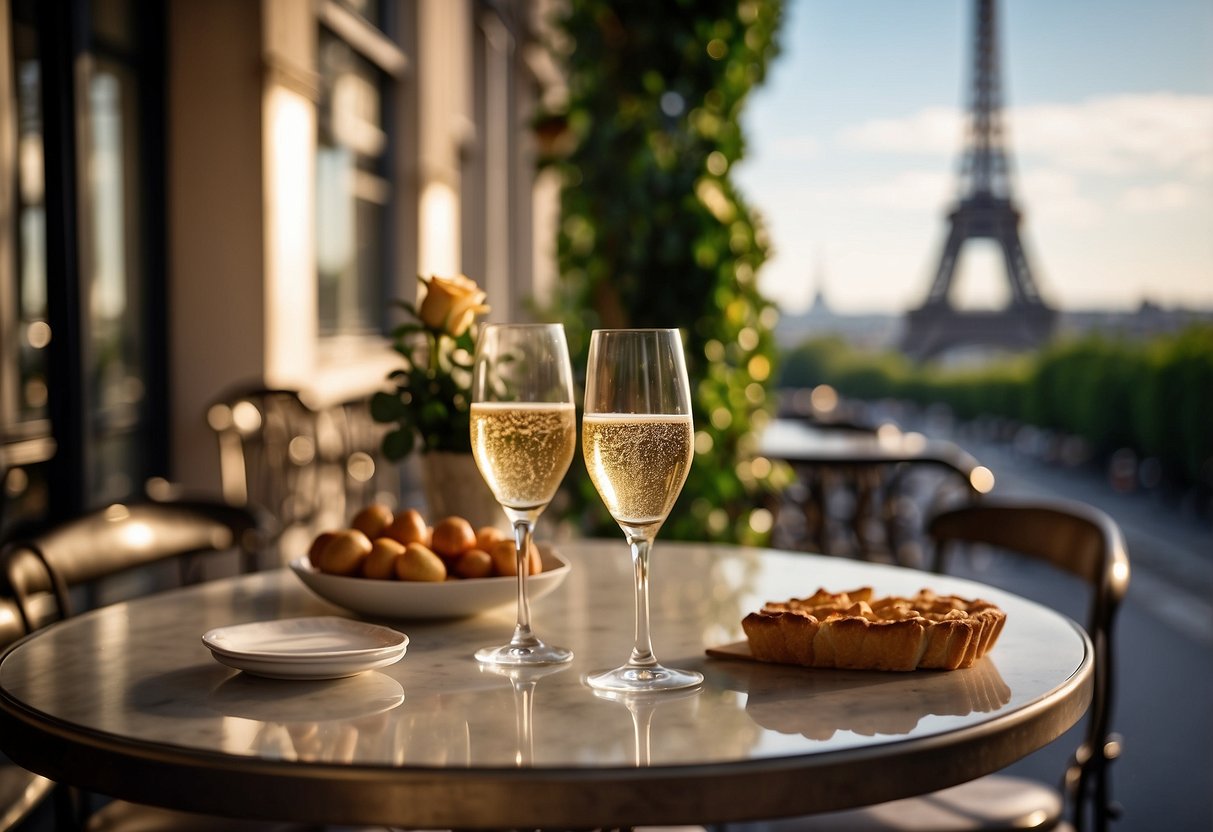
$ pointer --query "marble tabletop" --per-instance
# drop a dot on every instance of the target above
(126, 700)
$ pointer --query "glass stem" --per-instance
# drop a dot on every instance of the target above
(642, 651)
(523, 637)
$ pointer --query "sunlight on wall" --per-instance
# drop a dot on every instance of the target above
(546, 193)
(439, 233)
(290, 264)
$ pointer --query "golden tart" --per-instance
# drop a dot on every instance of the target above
(854, 631)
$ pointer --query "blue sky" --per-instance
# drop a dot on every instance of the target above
(854, 139)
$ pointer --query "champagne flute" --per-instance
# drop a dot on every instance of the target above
(637, 440)
(523, 438)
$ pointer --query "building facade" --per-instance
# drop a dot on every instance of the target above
(197, 195)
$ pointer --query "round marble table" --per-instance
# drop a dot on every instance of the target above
(127, 701)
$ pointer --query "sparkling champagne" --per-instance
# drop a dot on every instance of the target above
(523, 449)
(638, 462)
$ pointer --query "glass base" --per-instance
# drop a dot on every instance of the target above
(629, 679)
(524, 655)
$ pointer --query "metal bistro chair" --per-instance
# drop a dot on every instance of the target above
(1074, 538)
(269, 456)
(78, 556)
(350, 450)
(48, 576)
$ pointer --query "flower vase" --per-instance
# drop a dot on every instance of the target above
(453, 486)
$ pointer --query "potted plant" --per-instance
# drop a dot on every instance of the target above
(430, 404)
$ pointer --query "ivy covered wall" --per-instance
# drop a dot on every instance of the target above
(653, 232)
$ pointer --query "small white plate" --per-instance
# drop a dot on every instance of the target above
(418, 599)
(306, 648)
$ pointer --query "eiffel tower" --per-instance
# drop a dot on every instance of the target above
(986, 210)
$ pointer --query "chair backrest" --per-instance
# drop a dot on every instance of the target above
(38, 572)
(352, 445)
(1082, 541)
(268, 452)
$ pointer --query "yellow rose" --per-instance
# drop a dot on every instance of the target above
(451, 304)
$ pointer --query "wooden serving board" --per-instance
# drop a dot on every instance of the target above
(736, 650)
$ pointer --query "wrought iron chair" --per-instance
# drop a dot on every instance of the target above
(78, 556)
(350, 450)
(307, 466)
(1076, 539)
(269, 456)
(47, 577)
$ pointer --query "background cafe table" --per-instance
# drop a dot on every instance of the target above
(800, 443)
(127, 701)
(877, 464)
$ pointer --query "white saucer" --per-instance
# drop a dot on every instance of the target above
(306, 648)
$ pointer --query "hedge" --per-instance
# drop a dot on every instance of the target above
(1154, 397)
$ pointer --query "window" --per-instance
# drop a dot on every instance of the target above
(26, 445)
(28, 290)
(82, 274)
(354, 190)
(114, 285)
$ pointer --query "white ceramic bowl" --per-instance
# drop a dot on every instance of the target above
(417, 599)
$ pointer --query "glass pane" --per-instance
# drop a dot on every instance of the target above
(32, 330)
(352, 191)
(113, 286)
(24, 414)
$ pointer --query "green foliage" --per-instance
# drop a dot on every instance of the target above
(1087, 387)
(1173, 415)
(654, 234)
(1154, 397)
(431, 404)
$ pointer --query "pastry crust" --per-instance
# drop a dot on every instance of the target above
(854, 631)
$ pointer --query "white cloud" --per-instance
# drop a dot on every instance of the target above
(1121, 134)
(796, 147)
(912, 190)
(934, 130)
(1054, 197)
(1111, 135)
(1048, 195)
(1152, 199)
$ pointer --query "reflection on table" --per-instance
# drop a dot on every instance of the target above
(861, 702)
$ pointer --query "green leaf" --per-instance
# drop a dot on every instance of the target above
(386, 407)
(466, 341)
(398, 444)
(406, 329)
(435, 413)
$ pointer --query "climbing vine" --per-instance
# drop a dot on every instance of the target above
(653, 232)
